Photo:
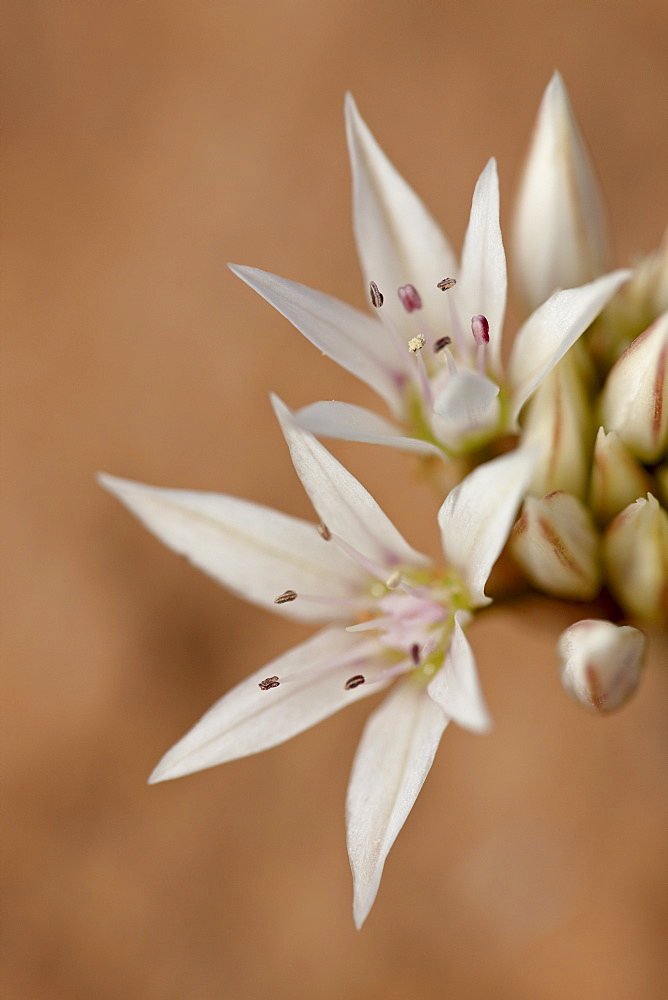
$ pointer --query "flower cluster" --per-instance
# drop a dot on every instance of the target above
(563, 451)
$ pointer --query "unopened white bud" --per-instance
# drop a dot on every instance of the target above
(601, 663)
(616, 477)
(557, 545)
(661, 477)
(558, 418)
(633, 308)
(559, 236)
(635, 396)
(635, 551)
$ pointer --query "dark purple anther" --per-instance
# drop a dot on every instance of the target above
(480, 328)
(442, 343)
(269, 683)
(354, 682)
(410, 298)
(377, 298)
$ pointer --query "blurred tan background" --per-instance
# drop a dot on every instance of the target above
(145, 144)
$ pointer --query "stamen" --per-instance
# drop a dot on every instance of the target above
(371, 624)
(410, 298)
(393, 580)
(415, 653)
(416, 344)
(324, 532)
(286, 597)
(268, 683)
(480, 329)
(371, 567)
(403, 667)
(441, 343)
(377, 297)
(446, 283)
(354, 682)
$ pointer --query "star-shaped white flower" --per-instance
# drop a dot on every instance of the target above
(432, 349)
(387, 614)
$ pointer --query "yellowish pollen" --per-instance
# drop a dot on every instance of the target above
(416, 344)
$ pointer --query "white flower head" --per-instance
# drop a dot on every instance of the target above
(386, 613)
(432, 348)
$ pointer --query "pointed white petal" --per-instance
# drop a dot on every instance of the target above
(246, 720)
(341, 501)
(398, 241)
(465, 407)
(482, 284)
(392, 761)
(554, 327)
(254, 551)
(476, 517)
(456, 686)
(357, 342)
(354, 423)
(560, 238)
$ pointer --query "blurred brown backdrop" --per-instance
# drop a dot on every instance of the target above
(146, 142)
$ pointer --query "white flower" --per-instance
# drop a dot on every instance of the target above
(432, 349)
(560, 235)
(387, 613)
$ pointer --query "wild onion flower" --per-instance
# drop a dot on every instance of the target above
(388, 614)
(432, 348)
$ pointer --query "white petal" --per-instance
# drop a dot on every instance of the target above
(476, 517)
(466, 406)
(254, 551)
(342, 502)
(357, 342)
(560, 237)
(247, 719)
(554, 327)
(482, 284)
(398, 241)
(392, 761)
(354, 423)
(456, 686)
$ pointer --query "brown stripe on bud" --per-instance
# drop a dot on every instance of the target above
(354, 682)
(286, 597)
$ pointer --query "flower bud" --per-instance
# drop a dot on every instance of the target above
(635, 396)
(635, 551)
(558, 418)
(616, 478)
(633, 308)
(661, 477)
(560, 237)
(601, 663)
(556, 544)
